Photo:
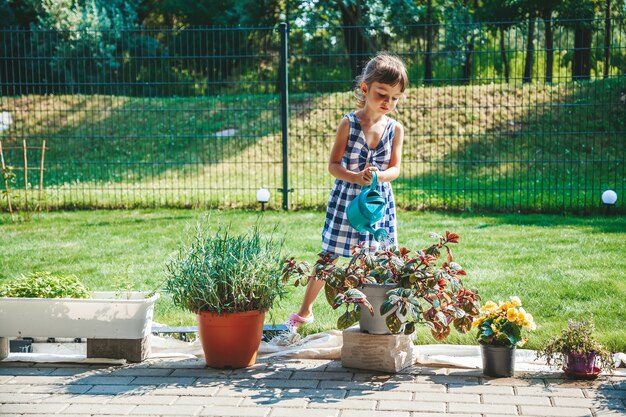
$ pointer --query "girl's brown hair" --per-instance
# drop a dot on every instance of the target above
(384, 68)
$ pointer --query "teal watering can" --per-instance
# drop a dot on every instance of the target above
(366, 209)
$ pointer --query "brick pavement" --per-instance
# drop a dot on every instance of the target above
(295, 388)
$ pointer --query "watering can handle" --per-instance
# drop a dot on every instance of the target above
(374, 180)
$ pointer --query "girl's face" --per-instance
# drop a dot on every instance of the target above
(381, 97)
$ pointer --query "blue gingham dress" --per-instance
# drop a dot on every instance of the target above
(338, 237)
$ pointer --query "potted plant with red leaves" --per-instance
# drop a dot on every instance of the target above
(413, 286)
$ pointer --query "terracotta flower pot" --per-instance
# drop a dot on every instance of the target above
(498, 361)
(230, 340)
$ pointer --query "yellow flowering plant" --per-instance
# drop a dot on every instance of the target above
(501, 324)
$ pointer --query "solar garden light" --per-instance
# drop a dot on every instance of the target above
(609, 197)
(263, 196)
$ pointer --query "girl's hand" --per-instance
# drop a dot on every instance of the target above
(365, 176)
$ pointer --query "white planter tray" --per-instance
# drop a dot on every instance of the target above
(108, 315)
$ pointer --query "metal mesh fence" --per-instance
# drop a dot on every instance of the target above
(193, 117)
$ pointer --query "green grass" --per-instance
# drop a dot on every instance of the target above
(497, 147)
(560, 266)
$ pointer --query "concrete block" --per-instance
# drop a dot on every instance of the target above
(4, 347)
(133, 350)
(385, 353)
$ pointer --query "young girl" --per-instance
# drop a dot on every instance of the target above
(367, 141)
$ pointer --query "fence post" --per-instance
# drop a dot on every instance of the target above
(284, 109)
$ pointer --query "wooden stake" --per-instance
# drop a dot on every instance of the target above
(43, 154)
(25, 175)
(6, 182)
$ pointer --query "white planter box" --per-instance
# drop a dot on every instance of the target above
(105, 316)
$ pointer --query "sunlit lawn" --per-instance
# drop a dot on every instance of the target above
(560, 266)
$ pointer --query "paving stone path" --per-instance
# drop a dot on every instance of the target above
(296, 388)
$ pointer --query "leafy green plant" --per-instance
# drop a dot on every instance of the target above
(222, 272)
(501, 324)
(425, 293)
(45, 285)
(577, 338)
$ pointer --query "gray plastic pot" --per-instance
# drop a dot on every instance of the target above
(376, 294)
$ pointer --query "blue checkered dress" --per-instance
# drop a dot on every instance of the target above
(338, 236)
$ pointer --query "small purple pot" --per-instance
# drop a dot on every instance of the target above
(580, 363)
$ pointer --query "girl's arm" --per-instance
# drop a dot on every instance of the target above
(336, 154)
(393, 170)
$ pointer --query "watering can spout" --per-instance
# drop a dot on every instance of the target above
(380, 235)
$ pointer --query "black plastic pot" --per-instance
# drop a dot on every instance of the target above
(498, 361)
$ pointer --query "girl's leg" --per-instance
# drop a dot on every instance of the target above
(313, 288)
(305, 314)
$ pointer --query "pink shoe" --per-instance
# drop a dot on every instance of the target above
(296, 321)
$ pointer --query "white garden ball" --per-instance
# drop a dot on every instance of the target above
(609, 197)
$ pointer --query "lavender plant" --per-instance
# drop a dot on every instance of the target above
(222, 272)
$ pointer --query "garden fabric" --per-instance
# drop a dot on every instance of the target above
(325, 345)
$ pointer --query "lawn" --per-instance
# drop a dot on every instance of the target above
(560, 266)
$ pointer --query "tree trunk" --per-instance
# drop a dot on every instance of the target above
(547, 17)
(469, 49)
(358, 44)
(607, 39)
(428, 64)
(169, 20)
(505, 60)
(581, 66)
(530, 51)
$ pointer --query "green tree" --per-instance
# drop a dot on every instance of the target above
(213, 54)
(529, 9)
(7, 18)
(499, 16)
(367, 25)
(89, 29)
(428, 15)
(20, 12)
(546, 10)
(578, 15)
(462, 34)
(15, 17)
(533, 9)
(607, 37)
(7, 21)
(431, 23)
